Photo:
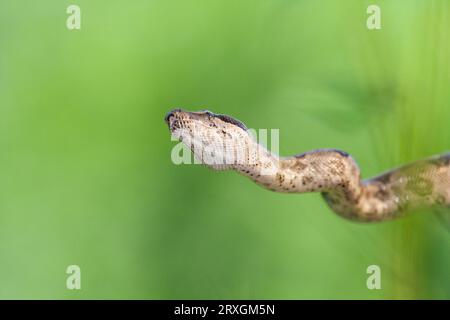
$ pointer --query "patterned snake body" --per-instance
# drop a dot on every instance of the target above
(332, 172)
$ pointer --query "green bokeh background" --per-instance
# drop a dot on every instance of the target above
(86, 176)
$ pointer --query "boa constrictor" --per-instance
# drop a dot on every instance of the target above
(222, 142)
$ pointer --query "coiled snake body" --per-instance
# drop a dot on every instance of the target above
(222, 142)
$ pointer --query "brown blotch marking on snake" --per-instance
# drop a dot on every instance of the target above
(337, 167)
(382, 193)
(307, 179)
(333, 171)
(299, 166)
(440, 200)
(280, 178)
(292, 183)
(224, 133)
(348, 195)
(340, 166)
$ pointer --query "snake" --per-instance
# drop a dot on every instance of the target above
(222, 142)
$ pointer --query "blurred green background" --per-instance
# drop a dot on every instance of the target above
(86, 176)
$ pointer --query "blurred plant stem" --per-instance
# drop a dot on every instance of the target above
(413, 125)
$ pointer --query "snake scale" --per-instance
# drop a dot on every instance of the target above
(224, 143)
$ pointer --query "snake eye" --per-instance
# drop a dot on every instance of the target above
(170, 114)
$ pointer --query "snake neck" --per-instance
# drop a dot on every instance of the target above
(332, 172)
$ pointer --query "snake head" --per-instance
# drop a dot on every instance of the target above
(215, 139)
(181, 118)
